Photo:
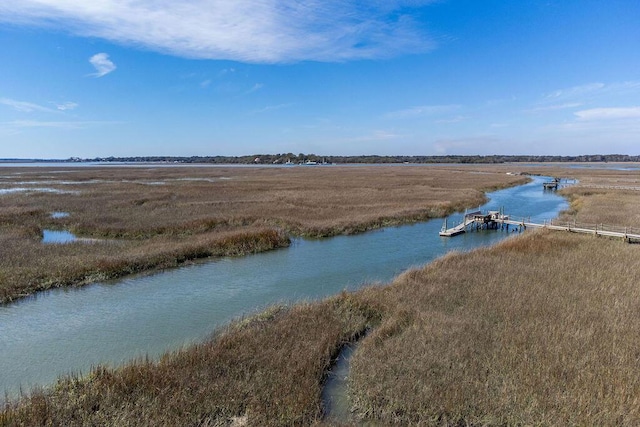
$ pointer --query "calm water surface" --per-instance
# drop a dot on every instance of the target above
(71, 330)
(55, 236)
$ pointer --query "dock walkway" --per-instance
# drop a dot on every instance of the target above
(498, 220)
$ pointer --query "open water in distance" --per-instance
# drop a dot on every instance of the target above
(70, 330)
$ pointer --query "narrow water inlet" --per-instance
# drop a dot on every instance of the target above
(58, 214)
(335, 394)
(50, 237)
(61, 237)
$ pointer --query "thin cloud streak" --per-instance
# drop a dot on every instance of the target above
(609, 113)
(421, 111)
(266, 31)
(451, 146)
(102, 64)
(25, 107)
(67, 125)
(272, 108)
(455, 119)
(555, 107)
(256, 87)
(66, 106)
(593, 89)
(376, 135)
(575, 91)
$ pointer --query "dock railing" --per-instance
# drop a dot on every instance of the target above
(498, 217)
(594, 227)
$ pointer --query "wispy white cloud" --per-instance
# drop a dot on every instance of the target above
(587, 95)
(272, 108)
(205, 83)
(466, 145)
(67, 125)
(265, 31)
(593, 89)
(22, 124)
(226, 71)
(376, 135)
(421, 111)
(575, 91)
(609, 113)
(102, 64)
(499, 101)
(25, 107)
(555, 107)
(65, 106)
(454, 119)
(619, 126)
(256, 87)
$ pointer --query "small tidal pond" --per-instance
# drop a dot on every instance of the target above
(70, 330)
(56, 237)
(57, 215)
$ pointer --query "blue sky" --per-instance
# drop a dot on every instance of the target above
(331, 77)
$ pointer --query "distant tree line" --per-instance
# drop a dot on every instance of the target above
(290, 158)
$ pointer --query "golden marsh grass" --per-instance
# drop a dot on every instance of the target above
(158, 217)
(541, 329)
(268, 368)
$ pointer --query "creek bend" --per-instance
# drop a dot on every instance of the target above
(66, 331)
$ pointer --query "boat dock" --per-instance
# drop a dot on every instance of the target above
(557, 183)
(551, 185)
(497, 220)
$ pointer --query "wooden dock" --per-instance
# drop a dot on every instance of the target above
(496, 220)
(469, 219)
(557, 183)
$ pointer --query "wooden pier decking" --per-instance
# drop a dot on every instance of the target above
(498, 220)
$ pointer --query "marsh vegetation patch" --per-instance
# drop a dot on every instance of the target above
(539, 330)
(196, 212)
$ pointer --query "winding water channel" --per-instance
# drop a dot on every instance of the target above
(71, 330)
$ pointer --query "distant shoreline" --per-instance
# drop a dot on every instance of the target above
(300, 159)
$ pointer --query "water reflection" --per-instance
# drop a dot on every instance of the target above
(35, 190)
(335, 392)
(57, 215)
(57, 237)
